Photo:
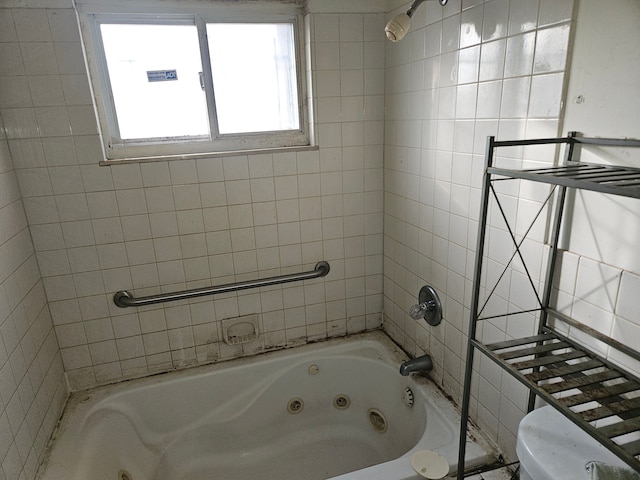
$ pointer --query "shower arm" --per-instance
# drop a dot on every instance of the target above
(414, 7)
(417, 3)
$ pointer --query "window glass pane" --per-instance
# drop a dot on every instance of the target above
(254, 77)
(155, 80)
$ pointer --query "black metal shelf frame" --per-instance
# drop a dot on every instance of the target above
(583, 386)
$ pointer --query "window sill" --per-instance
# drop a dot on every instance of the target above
(191, 156)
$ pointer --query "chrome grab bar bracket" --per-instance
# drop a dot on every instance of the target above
(120, 298)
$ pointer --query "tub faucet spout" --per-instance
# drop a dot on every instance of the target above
(423, 363)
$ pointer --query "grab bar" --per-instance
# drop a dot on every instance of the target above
(124, 299)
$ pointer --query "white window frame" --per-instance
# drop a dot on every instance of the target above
(92, 13)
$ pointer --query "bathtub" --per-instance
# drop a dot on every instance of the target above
(337, 409)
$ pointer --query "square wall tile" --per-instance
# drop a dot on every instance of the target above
(523, 16)
(471, 26)
(515, 97)
(496, 20)
(628, 304)
(519, 56)
(546, 96)
(555, 11)
(550, 50)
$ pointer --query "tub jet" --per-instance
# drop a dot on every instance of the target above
(295, 405)
(341, 402)
(378, 420)
(124, 475)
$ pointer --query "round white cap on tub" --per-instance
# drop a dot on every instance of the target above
(430, 464)
(551, 447)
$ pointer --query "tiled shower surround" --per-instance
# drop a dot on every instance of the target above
(467, 71)
(389, 199)
(32, 387)
(163, 226)
(490, 68)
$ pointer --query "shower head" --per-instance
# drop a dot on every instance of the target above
(399, 25)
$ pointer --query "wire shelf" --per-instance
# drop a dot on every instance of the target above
(600, 398)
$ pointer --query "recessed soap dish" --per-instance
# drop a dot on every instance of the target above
(239, 330)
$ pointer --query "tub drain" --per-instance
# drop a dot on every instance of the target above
(124, 475)
(341, 402)
(378, 420)
(407, 397)
(295, 405)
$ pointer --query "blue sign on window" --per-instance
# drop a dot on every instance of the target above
(162, 75)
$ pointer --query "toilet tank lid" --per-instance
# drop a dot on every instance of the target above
(550, 447)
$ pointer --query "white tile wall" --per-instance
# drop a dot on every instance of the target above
(32, 388)
(158, 227)
(492, 67)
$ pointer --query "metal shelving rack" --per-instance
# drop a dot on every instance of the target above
(583, 386)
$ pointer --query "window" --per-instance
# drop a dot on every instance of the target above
(213, 79)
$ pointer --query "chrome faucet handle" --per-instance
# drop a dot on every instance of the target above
(420, 310)
(429, 306)
(417, 311)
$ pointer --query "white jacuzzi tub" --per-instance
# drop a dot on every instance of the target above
(313, 412)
